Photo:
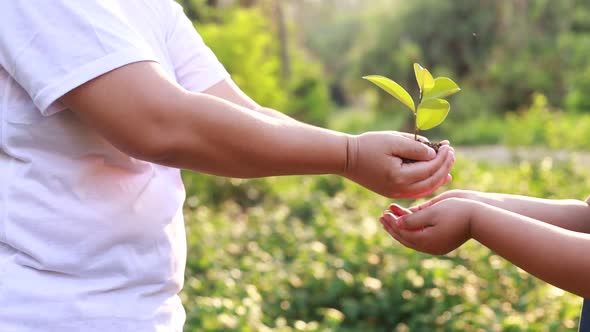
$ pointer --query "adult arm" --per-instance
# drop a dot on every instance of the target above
(228, 90)
(146, 115)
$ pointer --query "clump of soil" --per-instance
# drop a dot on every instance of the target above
(434, 145)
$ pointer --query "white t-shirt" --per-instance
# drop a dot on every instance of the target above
(90, 238)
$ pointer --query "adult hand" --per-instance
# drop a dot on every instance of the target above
(211, 135)
(375, 162)
(437, 230)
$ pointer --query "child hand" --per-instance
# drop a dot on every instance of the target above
(455, 193)
(437, 229)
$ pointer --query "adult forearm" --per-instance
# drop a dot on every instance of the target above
(273, 113)
(567, 213)
(553, 254)
(228, 90)
(211, 135)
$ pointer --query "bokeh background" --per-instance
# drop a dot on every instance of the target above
(308, 253)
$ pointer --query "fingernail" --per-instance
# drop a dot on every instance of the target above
(431, 153)
(419, 229)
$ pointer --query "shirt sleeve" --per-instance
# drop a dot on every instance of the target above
(196, 66)
(52, 47)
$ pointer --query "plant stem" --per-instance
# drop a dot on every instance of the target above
(416, 117)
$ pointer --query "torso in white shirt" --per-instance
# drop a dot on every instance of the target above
(90, 238)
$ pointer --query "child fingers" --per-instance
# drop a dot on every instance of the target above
(415, 221)
(398, 210)
(395, 232)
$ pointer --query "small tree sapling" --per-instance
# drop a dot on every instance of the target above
(432, 109)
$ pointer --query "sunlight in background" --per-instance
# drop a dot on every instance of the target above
(294, 254)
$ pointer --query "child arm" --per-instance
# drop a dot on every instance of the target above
(558, 256)
(547, 210)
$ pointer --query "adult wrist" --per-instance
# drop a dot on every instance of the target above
(351, 154)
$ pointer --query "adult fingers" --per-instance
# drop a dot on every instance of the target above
(421, 193)
(410, 149)
(427, 192)
(409, 135)
(415, 172)
(439, 177)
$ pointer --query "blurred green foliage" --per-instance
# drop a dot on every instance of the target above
(245, 46)
(536, 125)
(501, 53)
(308, 254)
(245, 41)
(502, 50)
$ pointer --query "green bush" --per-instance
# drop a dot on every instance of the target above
(500, 52)
(309, 98)
(245, 41)
(357, 121)
(541, 125)
(483, 129)
(527, 127)
(310, 255)
(535, 125)
(577, 99)
(246, 45)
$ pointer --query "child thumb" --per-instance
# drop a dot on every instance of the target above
(398, 210)
(414, 221)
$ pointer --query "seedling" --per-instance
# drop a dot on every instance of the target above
(432, 109)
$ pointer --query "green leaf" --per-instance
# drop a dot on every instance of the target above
(393, 89)
(424, 78)
(431, 113)
(443, 87)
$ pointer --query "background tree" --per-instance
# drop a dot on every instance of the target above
(307, 254)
